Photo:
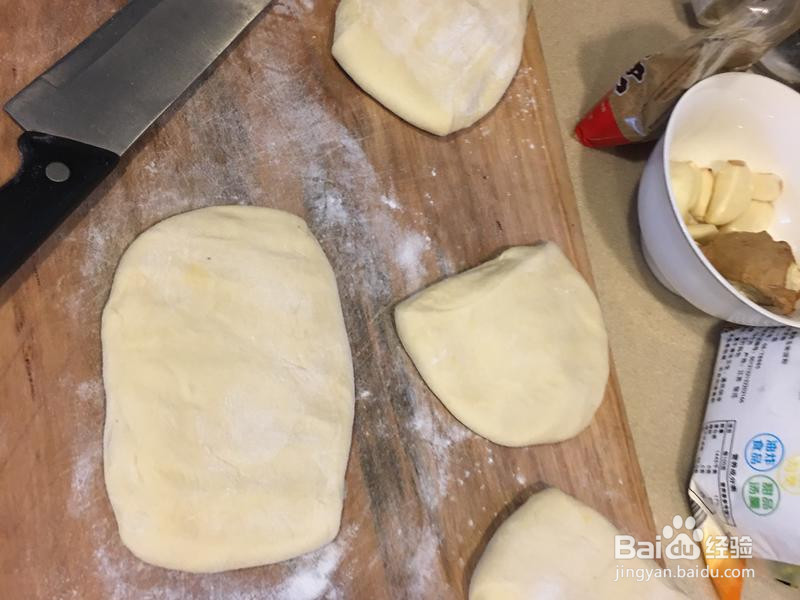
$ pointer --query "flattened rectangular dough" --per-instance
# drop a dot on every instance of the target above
(229, 391)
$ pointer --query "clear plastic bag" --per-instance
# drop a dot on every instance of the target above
(637, 107)
(711, 12)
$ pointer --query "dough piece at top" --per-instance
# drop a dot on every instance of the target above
(557, 548)
(515, 348)
(229, 391)
(439, 65)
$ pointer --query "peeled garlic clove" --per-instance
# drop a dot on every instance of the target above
(767, 187)
(686, 182)
(731, 195)
(704, 196)
(702, 232)
(718, 165)
(757, 217)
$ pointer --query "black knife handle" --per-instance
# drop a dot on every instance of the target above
(56, 175)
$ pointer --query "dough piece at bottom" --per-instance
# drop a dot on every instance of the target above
(516, 348)
(229, 391)
(439, 65)
(556, 548)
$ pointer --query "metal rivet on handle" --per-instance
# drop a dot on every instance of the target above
(57, 172)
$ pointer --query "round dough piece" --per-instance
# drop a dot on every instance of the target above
(229, 391)
(515, 348)
(439, 65)
(556, 548)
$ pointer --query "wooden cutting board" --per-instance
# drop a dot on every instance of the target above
(278, 124)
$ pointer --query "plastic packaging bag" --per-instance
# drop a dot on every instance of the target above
(711, 12)
(746, 478)
(636, 108)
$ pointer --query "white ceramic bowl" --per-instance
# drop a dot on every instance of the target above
(729, 116)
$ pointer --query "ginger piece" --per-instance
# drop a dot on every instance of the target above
(793, 278)
(757, 265)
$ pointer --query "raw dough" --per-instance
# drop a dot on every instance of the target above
(439, 65)
(229, 391)
(556, 548)
(515, 348)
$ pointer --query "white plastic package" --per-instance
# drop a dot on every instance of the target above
(747, 471)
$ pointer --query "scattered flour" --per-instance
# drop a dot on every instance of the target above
(525, 102)
(293, 8)
(311, 575)
(421, 567)
(333, 209)
(390, 202)
(361, 240)
(83, 485)
(412, 247)
(86, 400)
(97, 242)
(90, 391)
(440, 437)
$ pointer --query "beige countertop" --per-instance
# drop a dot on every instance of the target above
(663, 347)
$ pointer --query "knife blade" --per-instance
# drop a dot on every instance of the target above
(88, 109)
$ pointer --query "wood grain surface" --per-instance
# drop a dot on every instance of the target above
(276, 123)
